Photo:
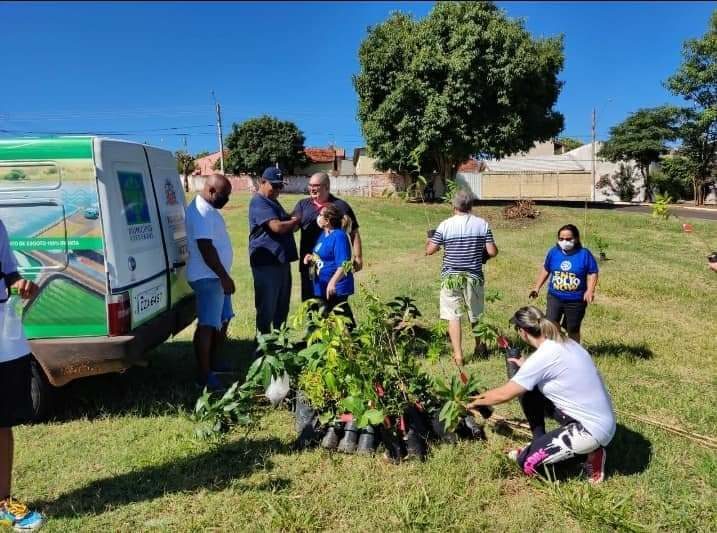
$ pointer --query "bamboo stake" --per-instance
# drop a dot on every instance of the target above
(703, 440)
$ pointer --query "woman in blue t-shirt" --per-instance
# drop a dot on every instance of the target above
(573, 274)
(333, 284)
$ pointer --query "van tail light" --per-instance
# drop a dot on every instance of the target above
(119, 313)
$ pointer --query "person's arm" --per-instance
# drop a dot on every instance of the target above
(342, 253)
(358, 250)
(211, 258)
(26, 288)
(592, 267)
(501, 394)
(433, 243)
(543, 275)
(282, 227)
(590, 292)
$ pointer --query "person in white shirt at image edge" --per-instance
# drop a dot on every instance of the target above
(561, 380)
(210, 261)
(15, 395)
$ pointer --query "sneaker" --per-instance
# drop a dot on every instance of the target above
(514, 454)
(17, 515)
(594, 467)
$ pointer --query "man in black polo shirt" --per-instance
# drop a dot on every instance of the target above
(306, 211)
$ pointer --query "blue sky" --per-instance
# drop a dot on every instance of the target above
(145, 70)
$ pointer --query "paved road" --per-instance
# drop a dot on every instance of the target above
(704, 214)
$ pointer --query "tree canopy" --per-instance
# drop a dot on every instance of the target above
(696, 82)
(643, 137)
(260, 142)
(466, 80)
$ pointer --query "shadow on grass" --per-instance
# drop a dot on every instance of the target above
(214, 471)
(619, 349)
(629, 452)
(163, 387)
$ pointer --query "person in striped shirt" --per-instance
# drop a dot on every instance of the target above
(467, 242)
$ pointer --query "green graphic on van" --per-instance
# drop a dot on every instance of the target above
(65, 308)
(79, 243)
(57, 240)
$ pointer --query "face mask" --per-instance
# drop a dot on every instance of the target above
(220, 201)
(566, 246)
(320, 221)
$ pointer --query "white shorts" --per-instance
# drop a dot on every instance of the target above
(455, 302)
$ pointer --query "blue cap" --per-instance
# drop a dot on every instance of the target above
(273, 175)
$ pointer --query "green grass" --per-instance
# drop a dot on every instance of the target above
(121, 456)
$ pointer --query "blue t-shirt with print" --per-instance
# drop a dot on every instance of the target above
(569, 272)
(266, 247)
(333, 250)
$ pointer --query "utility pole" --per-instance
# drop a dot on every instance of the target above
(220, 135)
(593, 152)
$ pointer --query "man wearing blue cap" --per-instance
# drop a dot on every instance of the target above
(271, 250)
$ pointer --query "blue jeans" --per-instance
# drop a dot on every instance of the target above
(272, 293)
(214, 308)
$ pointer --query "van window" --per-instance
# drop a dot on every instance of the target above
(29, 175)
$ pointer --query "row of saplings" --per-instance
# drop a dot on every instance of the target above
(353, 388)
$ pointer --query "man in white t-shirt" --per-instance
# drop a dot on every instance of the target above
(468, 242)
(561, 380)
(210, 261)
(15, 396)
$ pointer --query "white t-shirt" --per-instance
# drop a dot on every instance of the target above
(9, 349)
(566, 375)
(205, 222)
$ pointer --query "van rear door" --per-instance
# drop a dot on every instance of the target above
(171, 201)
(137, 262)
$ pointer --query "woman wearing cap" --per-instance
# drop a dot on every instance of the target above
(558, 379)
(573, 275)
(332, 283)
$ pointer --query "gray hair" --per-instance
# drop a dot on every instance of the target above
(463, 201)
(323, 178)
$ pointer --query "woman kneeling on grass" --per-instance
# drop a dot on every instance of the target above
(559, 379)
(332, 283)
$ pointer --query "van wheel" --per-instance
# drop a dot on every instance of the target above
(42, 392)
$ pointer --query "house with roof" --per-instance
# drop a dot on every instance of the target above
(323, 160)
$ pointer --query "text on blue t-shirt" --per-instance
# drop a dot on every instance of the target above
(569, 272)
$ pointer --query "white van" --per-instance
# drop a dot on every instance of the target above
(98, 224)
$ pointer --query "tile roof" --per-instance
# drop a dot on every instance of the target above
(321, 155)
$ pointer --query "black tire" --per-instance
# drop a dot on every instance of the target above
(42, 393)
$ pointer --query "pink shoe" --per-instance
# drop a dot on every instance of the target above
(594, 467)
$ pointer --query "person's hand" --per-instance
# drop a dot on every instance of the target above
(589, 296)
(331, 289)
(26, 288)
(358, 263)
(533, 294)
(308, 259)
(478, 401)
(228, 285)
(295, 220)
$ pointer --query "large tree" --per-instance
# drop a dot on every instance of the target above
(260, 142)
(642, 137)
(466, 80)
(696, 81)
(185, 166)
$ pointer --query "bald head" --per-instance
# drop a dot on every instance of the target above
(319, 186)
(217, 189)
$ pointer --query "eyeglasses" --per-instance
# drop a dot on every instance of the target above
(315, 185)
